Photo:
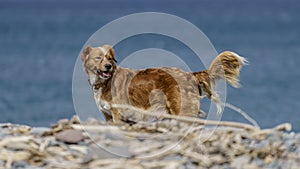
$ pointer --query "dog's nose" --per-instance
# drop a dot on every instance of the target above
(108, 66)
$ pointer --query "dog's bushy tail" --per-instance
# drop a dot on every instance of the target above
(227, 66)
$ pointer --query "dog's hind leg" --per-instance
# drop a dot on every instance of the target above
(107, 116)
(202, 114)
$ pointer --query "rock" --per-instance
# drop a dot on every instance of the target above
(264, 144)
(259, 162)
(69, 136)
(20, 164)
(2, 163)
(25, 130)
(241, 162)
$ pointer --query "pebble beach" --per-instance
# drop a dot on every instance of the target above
(72, 144)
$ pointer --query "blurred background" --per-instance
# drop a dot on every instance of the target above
(40, 41)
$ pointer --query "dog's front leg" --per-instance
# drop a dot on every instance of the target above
(116, 116)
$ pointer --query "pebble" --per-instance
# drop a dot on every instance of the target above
(259, 162)
(20, 164)
(260, 144)
(240, 162)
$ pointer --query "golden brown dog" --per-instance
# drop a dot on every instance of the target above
(164, 90)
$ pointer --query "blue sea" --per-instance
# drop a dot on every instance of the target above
(40, 41)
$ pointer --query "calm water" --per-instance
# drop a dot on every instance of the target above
(40, 42)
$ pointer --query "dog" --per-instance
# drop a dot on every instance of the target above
(163, 90)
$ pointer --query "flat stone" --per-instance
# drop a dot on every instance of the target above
(69, 136)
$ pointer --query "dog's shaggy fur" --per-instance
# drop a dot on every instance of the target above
(164, 90)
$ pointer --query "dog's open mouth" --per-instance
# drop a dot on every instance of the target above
(104, 74)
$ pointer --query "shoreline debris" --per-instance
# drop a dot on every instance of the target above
(170, 143)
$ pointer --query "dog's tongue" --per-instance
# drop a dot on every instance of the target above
(105, 74)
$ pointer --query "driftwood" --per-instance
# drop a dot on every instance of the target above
(190, 119)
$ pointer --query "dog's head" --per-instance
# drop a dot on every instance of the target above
(98, 62)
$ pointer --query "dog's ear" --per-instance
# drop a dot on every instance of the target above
(111, 51)
(86, 51)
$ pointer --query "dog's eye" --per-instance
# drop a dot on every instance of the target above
(98, 58)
